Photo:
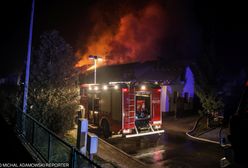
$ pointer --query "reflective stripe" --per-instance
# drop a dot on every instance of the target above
(145, 133)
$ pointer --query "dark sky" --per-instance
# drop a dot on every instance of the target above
(13, 35)
(61, 15)
(222, 26)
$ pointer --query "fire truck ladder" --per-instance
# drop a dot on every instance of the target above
(131, 108)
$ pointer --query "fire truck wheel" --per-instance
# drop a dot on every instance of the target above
(105, 129)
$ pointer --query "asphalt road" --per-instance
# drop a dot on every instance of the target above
(172, 149)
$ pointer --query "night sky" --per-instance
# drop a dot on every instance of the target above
(192, 28)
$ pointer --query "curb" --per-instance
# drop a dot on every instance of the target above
(202, 139)
(207, 140)
(121, 151)
(197, 138)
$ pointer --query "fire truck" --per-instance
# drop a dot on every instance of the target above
(123, 108)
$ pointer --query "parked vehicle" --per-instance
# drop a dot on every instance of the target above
(123, 108)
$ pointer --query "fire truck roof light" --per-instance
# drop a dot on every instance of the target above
(143, 87)
(95, 88)
(90, 88)
(105, 87)
(116, 87)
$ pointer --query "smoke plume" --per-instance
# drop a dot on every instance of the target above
(134, 36)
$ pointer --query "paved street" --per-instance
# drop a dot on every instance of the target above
(169, 149)
(172, 149)
(116, 157)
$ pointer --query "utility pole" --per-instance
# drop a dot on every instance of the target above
(25, 98)
(95, 71)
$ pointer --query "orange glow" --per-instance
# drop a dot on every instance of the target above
(135, 39)
(91, 68)
(99, 48)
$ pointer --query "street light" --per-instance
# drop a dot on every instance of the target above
(95, 58)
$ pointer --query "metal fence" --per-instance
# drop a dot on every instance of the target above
(48, 145)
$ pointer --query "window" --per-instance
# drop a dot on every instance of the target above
(143, 107)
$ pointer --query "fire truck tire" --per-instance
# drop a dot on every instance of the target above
(106, 129)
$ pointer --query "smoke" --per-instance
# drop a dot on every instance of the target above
(124, 37)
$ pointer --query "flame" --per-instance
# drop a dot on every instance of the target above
(135, 39)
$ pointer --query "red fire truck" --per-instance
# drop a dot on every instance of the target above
(123, 108)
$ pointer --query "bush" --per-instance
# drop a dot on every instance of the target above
(212, 105)
(53, 90)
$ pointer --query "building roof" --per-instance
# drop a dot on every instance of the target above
(147, 71)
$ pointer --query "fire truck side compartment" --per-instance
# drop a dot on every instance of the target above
(110, 106)
(116, 105)
(105, 102)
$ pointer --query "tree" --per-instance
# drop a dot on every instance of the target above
(207, 89)
(53, 92)
(211, 104)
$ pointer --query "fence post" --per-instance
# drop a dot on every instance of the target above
(23, 117)
(73, 158)
(76, 156)
(33, 130)
(18, 121)
(49, 147)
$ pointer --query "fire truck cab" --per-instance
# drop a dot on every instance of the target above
(124, 108)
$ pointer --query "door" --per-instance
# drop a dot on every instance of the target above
(143, 110)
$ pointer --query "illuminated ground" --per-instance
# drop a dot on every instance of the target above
(173, 149)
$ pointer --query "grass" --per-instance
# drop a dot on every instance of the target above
(70, 139)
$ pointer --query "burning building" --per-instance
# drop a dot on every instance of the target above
(132, 36)
(130, 40)
(131, 98)
(176, 81)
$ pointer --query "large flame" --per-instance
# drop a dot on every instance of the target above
(135, 39)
